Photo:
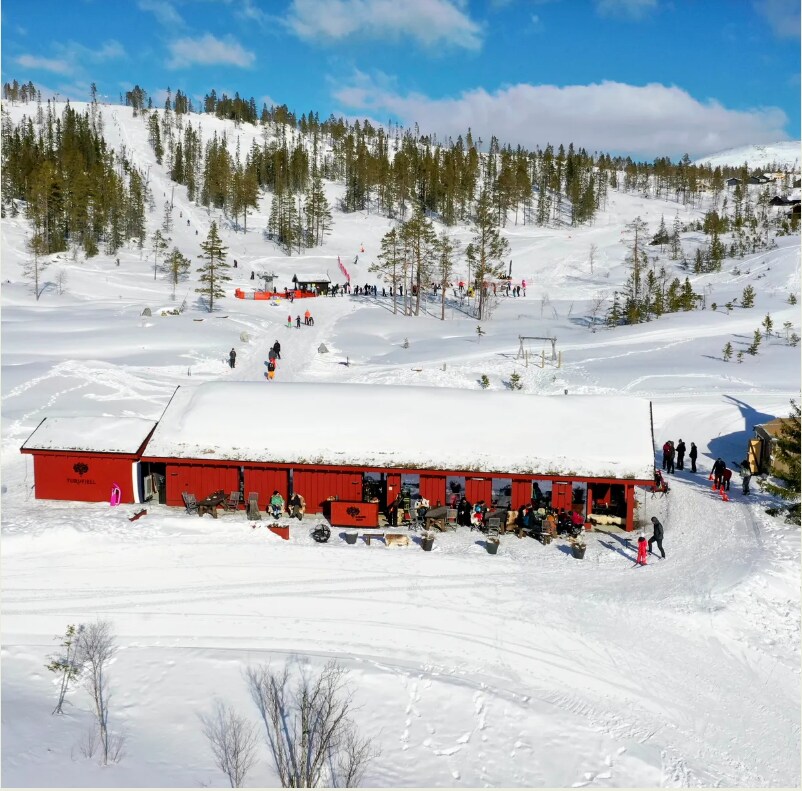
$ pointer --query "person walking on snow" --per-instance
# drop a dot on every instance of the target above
(680, 455)
(298, 322)
(692, 456)
(271, 369)
(271, 356)
(657, 537)
(307, 316)
(232, 358)
(746, 474)
(277, 349)
(289, 321)
(642, 549)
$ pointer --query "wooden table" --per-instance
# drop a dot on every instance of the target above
(212, 503)
(436, 517)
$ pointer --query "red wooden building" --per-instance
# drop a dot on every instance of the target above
(355, 443)
(82, 458)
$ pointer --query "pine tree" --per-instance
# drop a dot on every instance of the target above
(753, 347)
(487, 249)
(768, 325)
(213, 272)
(390, 262)
(317, 211)
(177, 267)
(446, 249)
(159, 245)
(748, 297)
(727, 353)
(33, 267)
(787, 453)
(635, 306)
(675, 242)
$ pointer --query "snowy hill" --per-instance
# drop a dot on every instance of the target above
(785, 155)
(528, 668)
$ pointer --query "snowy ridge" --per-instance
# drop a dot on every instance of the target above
(784, 154)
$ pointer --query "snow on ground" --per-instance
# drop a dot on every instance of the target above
(785, 154)
(528, 668)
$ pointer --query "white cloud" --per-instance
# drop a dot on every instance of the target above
(634, 9)
(208, 50)
(783, 16)
(164, 12)
(646, 121)
(45, 64)
(429, 22)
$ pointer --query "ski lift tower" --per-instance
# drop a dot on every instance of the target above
(269, 278)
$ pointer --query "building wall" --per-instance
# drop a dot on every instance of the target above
(478, 489)
(433, 489)
(317, 486)
(82, 476)
(265, 482)
(200, 479)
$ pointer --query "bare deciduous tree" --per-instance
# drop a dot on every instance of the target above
(95, 649)
(312, 738)
(233, 742)
(596, 304)
(592, 257)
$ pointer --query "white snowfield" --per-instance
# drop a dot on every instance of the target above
(90, 434)
(528, 668)
(598, 436)
(785, 154)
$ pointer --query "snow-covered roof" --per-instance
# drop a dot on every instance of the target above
(90, 434)
(313, 278)
(413, 427)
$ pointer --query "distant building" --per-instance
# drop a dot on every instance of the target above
(318, 283)
(733, 182)
(761, 457)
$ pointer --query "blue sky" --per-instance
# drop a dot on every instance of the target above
(645, 77)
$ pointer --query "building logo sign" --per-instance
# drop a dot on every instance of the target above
(81, 469)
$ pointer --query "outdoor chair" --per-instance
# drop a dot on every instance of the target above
(253, 506)
(191, 502)
(232, 504)
(493, 523)
(451, 517)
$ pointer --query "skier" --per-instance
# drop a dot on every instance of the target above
(657, 537)
(642, 550)
(680, 455)
(746, 474)
(271, 369)
(692, 456)
(277, 349)
(232, 358)
(276, 504)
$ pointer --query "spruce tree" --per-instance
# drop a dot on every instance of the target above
(748, 297)
(727, 352)
(787, 453)
(486, 250)
(213, 273)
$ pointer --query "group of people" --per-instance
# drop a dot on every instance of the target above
(273, 355)
(676, 452)
(645, 547)
(308, 320)
(295, 506)
(721, 474)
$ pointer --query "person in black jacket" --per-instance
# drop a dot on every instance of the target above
(277, 349)
(232, 358)
(718, 473)
(657, 537)
(692, 456)
(680, 455)
(464, 512)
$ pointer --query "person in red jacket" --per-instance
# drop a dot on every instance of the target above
(643, 548)
(726, 475)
